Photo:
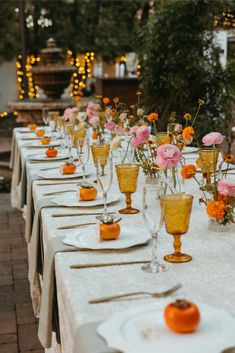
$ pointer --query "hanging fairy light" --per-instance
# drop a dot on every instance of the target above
(31, 60)
(225, 20)
(83, 64)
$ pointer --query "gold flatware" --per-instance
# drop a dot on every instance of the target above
(78, 214)
(124, 263)
(44, 169)
(58, 192)
(127, 295)
(57, 183)
(77, 225)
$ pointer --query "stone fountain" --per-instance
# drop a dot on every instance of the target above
(53, 77)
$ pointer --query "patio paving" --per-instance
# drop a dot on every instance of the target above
(18, 326)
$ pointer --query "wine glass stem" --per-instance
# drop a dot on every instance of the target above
(154, 247)
(83, 172)
(177, 243)
(128, 199)
(105, 194)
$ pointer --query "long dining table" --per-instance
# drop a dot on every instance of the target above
(61, 294)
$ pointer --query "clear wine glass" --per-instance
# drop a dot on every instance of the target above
(45, 116)
(104, 174)
(83, 153)
(153, 218)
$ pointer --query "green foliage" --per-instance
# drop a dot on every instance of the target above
(9, 29)
(181, 64)
(105, 27)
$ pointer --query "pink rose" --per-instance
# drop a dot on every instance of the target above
(110, 126)
(68, 113)
(144, 132)
(134, 130)
(213, 138)
(168, 156)
(91, 109)
(136, 141)
(74, 110)
(226, 188)
(141, 134)
(94, 120)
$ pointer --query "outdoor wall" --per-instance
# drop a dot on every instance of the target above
(8, 85)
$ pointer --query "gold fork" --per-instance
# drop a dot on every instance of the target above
(127, 295)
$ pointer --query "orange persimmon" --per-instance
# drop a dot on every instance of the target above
(182, 316)
(45, 140)
(32, 127)
(88, 193)
(69, 168)
(109, 231)
(51, 152)
(40, 133)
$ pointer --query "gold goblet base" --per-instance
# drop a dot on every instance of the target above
(177, 258)
(129, 210)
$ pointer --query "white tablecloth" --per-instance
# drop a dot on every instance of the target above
(209, 277)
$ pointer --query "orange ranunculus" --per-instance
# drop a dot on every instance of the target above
(95, 136)
(221, 197)
(188, 171)
(188, 133)
(216, 209)
(228, 158)
(198, 163)
(106, 100)
(152, 117)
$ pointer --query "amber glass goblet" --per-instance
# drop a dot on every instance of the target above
(177, 210)
(78, 138)
(163, 138)
(208, 158)
(127, 175)
(100, 151)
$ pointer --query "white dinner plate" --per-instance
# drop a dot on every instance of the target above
(43, 157)
(71, 200)
(142, 329)
(56, 174)
(38, 144)
(88, 239)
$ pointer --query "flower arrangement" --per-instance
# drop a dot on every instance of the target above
(183, 136)
(218, 191)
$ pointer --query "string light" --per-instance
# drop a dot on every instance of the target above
(82, 64)
(32, 88)
(226, 20)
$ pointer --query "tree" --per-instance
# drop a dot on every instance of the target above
(9, 29)
(105, 27)
(181, 64)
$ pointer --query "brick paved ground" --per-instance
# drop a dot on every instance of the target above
(18, 327)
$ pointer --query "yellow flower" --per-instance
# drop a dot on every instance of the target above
(201, 102)
(138, 93)
(116, 100)
(187, 116)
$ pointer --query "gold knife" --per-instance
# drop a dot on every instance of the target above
(124, 263)
(77, 225)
